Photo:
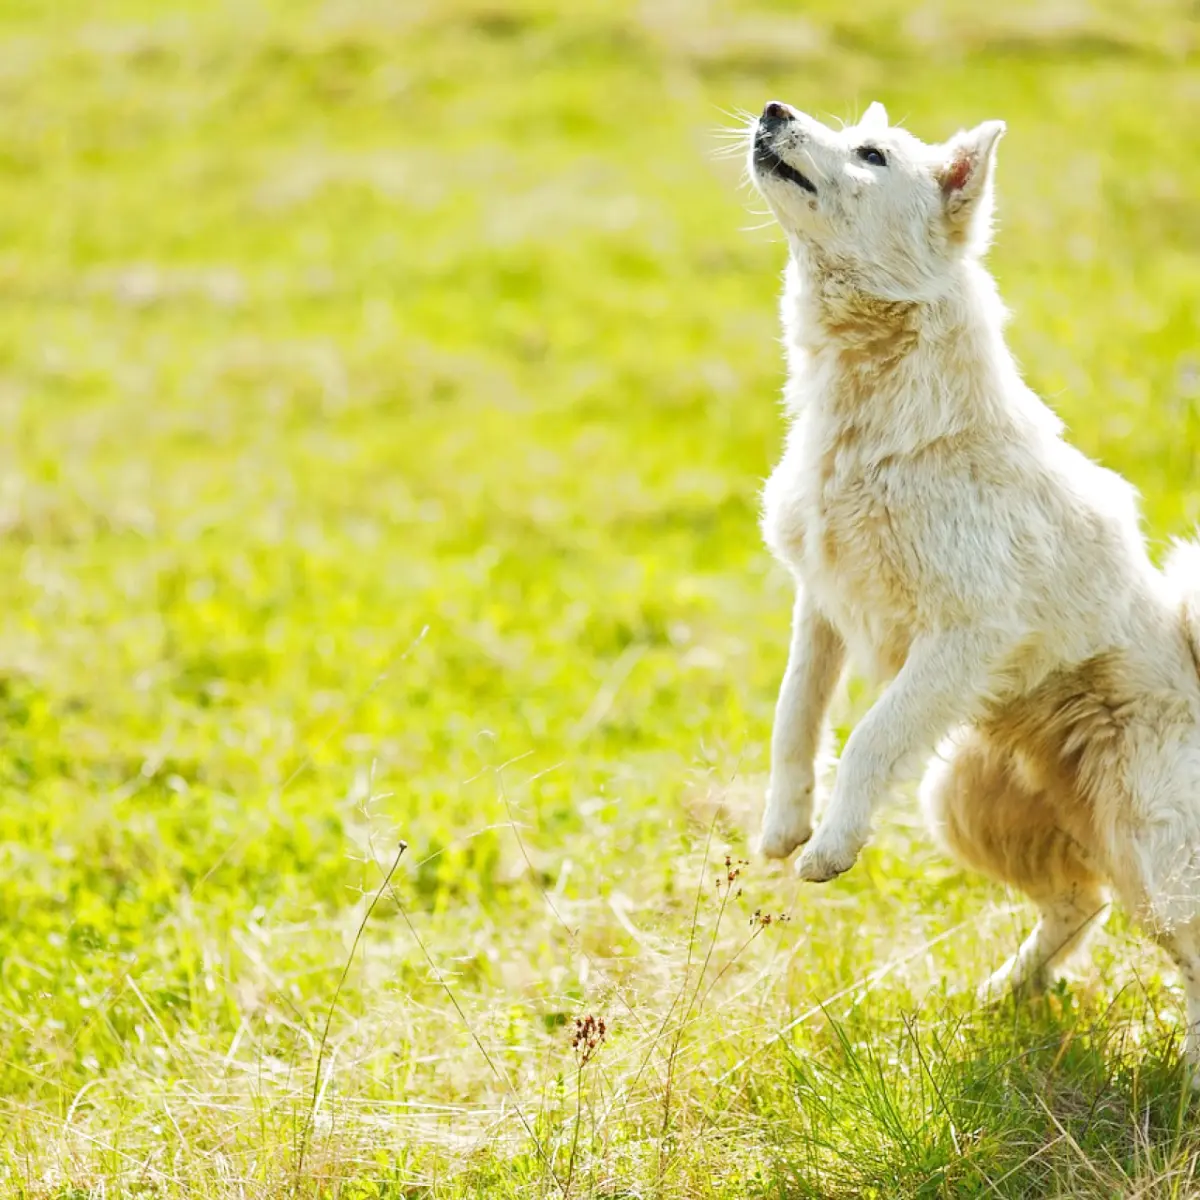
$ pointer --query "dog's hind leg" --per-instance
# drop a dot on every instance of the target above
(992, 820)
(1183, 945)
(1159, 883)
(1065, 923)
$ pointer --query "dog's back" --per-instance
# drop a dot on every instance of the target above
(1183, 577)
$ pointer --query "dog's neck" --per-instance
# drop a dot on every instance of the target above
(830, 304)
(927, 367)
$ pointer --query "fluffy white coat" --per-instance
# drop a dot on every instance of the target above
(944, 536)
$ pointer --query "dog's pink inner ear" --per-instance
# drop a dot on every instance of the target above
(954, 176)
(964, 172)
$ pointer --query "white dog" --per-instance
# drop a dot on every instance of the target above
(944, 535)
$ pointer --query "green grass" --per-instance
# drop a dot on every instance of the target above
(385, 391)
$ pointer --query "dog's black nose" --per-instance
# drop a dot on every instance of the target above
(775, 112)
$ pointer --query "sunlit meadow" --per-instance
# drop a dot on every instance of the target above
(386, 387)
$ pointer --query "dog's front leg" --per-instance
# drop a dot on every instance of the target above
(814, 664)
(939, 685)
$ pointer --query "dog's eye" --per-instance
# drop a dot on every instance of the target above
(872, 155)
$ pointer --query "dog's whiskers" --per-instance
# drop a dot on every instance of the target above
(733, 142)
(737, 151)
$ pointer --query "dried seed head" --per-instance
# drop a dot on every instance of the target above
(762, 919)
(588, 1033)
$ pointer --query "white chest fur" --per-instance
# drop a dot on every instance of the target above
(829, 514)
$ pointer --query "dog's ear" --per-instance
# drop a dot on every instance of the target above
(875, 118)
(965, 177)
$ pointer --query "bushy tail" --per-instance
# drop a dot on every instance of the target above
(1183, 575)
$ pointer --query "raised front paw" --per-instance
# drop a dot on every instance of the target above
(787, 822)
(831, 853)
(782, 833)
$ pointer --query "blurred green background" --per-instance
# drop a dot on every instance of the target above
(385, 393)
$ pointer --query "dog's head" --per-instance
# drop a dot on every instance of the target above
(873, 201)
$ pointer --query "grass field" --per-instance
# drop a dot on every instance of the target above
(385, 391)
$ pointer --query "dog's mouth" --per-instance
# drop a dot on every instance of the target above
(769, 163)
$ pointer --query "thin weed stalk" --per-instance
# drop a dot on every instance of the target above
(588, 1037)
(505, 1082)
(310, 1116)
